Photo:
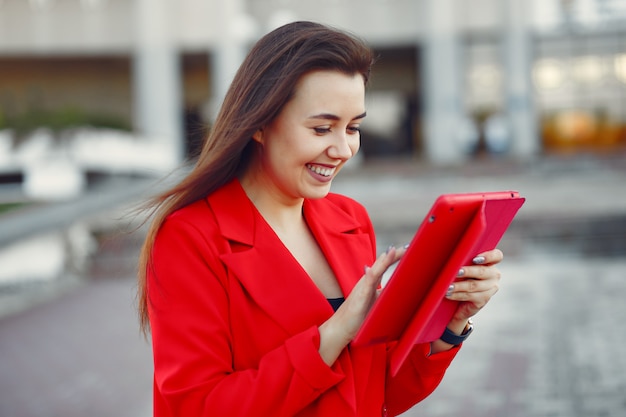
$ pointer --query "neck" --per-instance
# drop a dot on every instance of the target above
(281, 213)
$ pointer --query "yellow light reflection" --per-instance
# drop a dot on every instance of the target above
(486, 76)
(588, 69)
(548, 74)
(620, 67)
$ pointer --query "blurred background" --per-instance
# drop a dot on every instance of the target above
(102, 102)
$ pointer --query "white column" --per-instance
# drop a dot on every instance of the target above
(157, 78)
(236, 28)
(519, 89)
(441, 83)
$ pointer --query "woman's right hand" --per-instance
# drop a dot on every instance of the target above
(342, 327)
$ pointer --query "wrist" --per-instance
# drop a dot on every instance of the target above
(454, 336)
(332, 341)
(457, 326)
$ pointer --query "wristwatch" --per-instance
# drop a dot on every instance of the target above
(455, 339)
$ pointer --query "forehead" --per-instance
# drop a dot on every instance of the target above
(328, 90)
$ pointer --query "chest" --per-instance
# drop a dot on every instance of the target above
(301, 244)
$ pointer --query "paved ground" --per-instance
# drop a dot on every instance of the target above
(78, 352)
(550, 344)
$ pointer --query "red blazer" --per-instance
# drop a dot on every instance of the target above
(235, 318)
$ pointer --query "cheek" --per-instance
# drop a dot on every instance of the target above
(355, 145)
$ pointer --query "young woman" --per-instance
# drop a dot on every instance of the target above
(254, 278)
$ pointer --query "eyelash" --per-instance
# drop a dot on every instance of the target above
(324, 130)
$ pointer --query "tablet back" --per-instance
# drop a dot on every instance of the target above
(412, 307)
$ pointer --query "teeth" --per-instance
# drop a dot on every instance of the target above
(327, 172)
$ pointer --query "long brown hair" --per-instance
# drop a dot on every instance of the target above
(263, 84)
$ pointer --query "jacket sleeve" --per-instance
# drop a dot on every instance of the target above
(417, 378)
(192, 348)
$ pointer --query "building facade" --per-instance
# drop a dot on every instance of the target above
(454, 77)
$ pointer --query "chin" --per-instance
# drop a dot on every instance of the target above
(317, 192)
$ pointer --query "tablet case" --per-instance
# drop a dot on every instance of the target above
(412, 307)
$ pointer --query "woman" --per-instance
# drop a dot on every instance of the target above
(247, 263)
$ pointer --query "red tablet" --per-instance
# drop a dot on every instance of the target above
(412, 307)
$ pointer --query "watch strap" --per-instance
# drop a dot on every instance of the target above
(454, 339)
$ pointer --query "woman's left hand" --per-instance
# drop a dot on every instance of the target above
(473, 288)
(475, 285)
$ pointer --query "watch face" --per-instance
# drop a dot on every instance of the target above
(468, 328)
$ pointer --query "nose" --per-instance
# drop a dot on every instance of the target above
(344, 146)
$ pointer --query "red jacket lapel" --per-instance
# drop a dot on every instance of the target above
(344, 239)
(261, 262)
(264, 266)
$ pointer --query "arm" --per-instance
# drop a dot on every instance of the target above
(342, 327)
(189, 316)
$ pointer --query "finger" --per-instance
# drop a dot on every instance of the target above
(472, 286)
(393, 255)
(488, 258)
(383, 262)
(480, 272)
(386, 259)
(478, 299)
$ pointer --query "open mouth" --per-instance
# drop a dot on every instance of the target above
(320, 170)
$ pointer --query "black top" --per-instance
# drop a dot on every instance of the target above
(336, 302)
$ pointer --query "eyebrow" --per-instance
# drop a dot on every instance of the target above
(329, 116)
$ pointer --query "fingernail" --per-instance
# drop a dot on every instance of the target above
(479, 260)
(406, 246)
(461, 272)
(389, 249)
(450, 290)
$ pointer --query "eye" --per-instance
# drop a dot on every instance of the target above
(321, 130)
(354, 130)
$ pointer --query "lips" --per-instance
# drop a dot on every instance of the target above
(321, 170)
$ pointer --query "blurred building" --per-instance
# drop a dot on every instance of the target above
(454, 77)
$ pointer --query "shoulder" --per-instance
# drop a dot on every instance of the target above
(193, 212)
(193, 224)
(204, 214)
(224, 214)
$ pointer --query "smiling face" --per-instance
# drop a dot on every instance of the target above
(311, 139)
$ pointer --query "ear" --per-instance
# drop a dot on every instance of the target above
(258, 136)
